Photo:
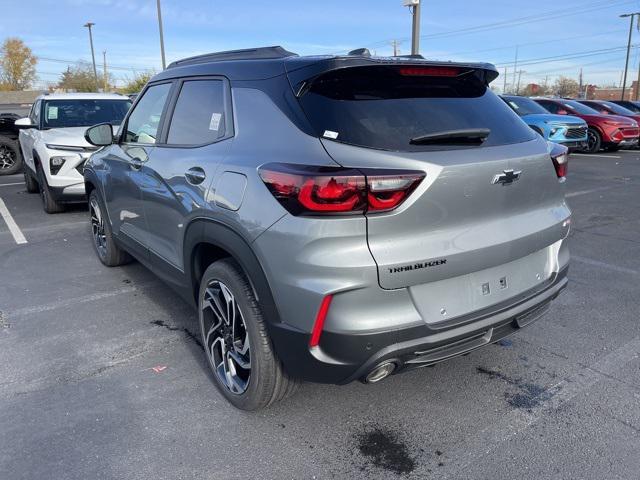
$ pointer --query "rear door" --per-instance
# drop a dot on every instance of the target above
(483, 212)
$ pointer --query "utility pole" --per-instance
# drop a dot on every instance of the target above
(637, 83)
(515, 66)
(164, 63)
(626, 64)
(414, 5)
(93, 55)
(580, 85)
(395, 44)
(520, 72)
(504, 86)
(104, 71)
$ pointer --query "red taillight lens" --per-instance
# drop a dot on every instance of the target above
(307, 190)
(430, 71)
(560, 158)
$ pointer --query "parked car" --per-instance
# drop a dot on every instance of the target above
(563, 129)
(634, 106)
(53, 143)
(10, 157)
(333, 218)
(610, 132)
(609, 108)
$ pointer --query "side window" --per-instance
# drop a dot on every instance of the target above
(552, 107)
(143, 123)
(199, 115)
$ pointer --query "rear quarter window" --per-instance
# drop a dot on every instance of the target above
(379, 107)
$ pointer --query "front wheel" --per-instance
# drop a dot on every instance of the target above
(29, 181)
(108, 252)
(10, 158)
(50, 204)
(594, 141)
(245, 367)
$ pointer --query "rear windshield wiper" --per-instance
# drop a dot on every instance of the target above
(472, 136)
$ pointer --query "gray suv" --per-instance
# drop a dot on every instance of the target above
(332, 218)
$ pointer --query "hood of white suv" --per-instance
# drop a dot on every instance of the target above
(70, 137)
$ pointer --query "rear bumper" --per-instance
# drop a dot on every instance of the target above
(342, 358)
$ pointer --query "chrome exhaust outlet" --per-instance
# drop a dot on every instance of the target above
(380, 372)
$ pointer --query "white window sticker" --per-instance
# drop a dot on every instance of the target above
(52, 113)
(330, 134)
(214, 124)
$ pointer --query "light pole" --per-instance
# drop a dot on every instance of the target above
(626, 64)
(93, 55)
(415, 28)
(164, 65)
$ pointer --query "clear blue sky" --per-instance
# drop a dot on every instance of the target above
(451, 29)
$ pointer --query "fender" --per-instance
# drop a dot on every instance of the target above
(218, 234)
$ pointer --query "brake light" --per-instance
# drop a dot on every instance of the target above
(308, 190)
(430, 71)
(560, 158)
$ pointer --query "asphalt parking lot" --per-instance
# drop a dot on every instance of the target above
(102, 377)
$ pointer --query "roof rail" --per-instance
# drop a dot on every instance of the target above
(261, 53)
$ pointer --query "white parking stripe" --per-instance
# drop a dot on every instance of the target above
(11, 223)
(593, 155)
(584, 192)
(607, 266)
(10, 184)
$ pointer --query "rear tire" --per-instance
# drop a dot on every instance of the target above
(245, 367)
(10, 158)
(594, 141)
(108, 252)
(29, 181)
(49, 204)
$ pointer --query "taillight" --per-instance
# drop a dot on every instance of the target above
(310, 190)
(560, 158)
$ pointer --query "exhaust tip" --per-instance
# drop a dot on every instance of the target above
(380, 372)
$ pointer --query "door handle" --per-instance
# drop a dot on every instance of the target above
(136, 163)
(195, 175)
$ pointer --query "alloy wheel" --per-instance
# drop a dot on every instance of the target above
(7, 157)
(97, 227)
(591, 141)
(226, 337)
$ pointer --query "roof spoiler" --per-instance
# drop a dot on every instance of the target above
(261, 53)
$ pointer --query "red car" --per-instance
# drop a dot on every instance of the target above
(611, 132)
(609, 108)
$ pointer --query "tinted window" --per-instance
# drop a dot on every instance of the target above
(385, 107)
(143, 123)
(579, 107)
(617, 109)
(83, 113)
(199, 115)
(551, 107)
(524, 106)
(634, 107)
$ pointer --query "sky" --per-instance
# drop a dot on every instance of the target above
(551, 38)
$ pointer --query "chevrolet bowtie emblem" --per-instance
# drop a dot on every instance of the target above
(507, 177)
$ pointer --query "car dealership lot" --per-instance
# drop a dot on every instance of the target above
(80, 397)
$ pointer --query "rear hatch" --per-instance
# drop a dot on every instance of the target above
(470, 222)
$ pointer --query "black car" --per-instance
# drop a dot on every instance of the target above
(10, 156)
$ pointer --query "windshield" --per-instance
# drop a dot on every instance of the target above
(620, 110)
(384, 107)
(579, 107)
(83, 113)
(524, 106)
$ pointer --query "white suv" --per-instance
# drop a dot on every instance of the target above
(53, 144)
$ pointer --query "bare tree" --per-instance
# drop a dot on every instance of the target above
(79, 78)
(17, 65)
(566, 87)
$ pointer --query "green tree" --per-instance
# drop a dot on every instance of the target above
(137, 83)
(17, 65)
(79, 78)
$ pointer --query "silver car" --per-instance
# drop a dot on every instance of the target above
(332, 218)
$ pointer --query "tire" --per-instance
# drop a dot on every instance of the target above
(594, 141)
(49, 204)
(108, 252)
(30, 182)
(252, 377)
(10, 157)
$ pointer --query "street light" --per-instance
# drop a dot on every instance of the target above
(626, 64)
(415, 29)
(93, 55)
(164, 65)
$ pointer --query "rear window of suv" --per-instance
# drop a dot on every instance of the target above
(384, 107)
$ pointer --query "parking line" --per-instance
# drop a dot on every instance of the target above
(11, 223)
(593, 155)
(607, 266)
(10, 184)
(584, 192)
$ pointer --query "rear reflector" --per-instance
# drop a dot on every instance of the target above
(560, 158)
(310, 190)
(319, 323)
(430, 71)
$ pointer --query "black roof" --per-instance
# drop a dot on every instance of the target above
(267, 62)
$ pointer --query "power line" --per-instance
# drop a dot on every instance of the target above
(570, 56)
(77, 62)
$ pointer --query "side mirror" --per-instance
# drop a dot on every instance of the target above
(99, 135)
(563, 112)
(24, 122)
